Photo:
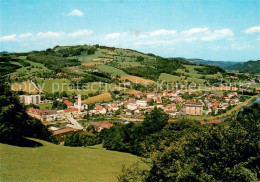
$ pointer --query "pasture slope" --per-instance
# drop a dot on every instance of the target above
(59, 163)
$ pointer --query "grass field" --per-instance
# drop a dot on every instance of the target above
(169, 78)
(30, 70)
(255, 86)
(195, 75)
(59, 163)
(99, 98)
(45, 106)
(111, 70)
(59, 85)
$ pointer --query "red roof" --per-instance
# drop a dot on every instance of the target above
(71, 110)
(99, 108)
(68, 103)
(106, 125)
(64, 130)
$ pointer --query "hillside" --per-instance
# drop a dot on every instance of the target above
(252, 67)
(100, 63)
(221, 64)
(58, 163)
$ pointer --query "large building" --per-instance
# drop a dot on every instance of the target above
(193, 108)
(30, 99)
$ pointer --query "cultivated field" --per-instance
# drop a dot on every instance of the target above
(25, 86)
(99, 98)
(136, 79)
(59, 163)
(91, 63)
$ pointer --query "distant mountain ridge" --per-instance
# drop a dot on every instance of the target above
(222, 64)
(252, 67)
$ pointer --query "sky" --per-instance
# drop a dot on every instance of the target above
(221, 30)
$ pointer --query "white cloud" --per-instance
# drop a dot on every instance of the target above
(163, 32)
(11, 37)
(49, 34)
(195, 31)
(252, 30)
(25, 35)
(217, 35)
(113, 35)
(77, 33)
(75, 12)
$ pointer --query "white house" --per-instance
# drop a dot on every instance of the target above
(131, 106)
(141, 103)
(100, 110)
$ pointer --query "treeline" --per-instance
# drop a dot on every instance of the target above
(185, 150)
(130, 137)
(209, 70)
(153, 69)
(52, 60)
(76, 51)
(15, 124)
(7, 67)
(83, 139)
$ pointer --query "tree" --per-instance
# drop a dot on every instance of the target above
(15, 124)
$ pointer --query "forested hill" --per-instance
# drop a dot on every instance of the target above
(252, 67)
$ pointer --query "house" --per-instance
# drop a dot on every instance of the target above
(128, 113)
(193, 108)
(45, 115)
(151, 95)
(235, 100)
(159, 101)
(126, 83)
(100, 126)
(232, 94)
(131, 106)
(141, 103)
(68, 104)
(227, 99)
(170, 108)
(60, 134)
(71, 111)
(113, 106)
(100, 110)
(172, 114)
(30, 99)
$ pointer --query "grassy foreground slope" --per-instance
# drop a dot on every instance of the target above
(59, 163)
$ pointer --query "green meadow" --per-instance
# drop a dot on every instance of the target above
(111, 70)
(59, 163)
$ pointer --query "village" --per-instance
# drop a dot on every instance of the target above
(132, 107)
